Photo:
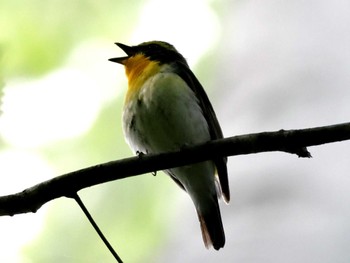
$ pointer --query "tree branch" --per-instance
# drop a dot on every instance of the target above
(290, 141)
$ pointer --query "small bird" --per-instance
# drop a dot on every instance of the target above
(166, 109)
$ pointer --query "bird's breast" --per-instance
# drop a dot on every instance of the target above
(163, 115)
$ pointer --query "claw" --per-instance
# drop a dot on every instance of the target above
(139, 154)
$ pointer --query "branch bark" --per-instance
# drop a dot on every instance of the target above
(290, 141)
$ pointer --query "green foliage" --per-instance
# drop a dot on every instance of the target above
(36, 36)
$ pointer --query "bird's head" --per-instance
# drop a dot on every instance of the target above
(158, 51)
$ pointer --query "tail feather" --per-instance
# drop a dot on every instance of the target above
(211, 226)
(205, 234)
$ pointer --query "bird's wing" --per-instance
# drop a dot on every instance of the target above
(187, 75)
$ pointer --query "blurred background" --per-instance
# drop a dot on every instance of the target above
(266, 65)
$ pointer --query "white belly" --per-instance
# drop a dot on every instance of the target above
(164, 116)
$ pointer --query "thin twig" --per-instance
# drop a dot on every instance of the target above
(95, 226)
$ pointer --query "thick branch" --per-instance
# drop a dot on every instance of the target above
(291, 141)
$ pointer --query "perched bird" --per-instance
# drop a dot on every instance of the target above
(166, 109)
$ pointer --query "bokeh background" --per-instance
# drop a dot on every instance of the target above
(266, 65)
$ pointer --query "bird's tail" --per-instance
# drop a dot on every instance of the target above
(211, 225)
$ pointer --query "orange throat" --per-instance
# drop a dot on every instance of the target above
(138, 69)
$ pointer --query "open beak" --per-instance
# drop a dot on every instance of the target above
(127, 49)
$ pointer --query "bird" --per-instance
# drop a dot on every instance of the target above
(166, 109)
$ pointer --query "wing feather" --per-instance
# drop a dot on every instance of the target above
(187, 75)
